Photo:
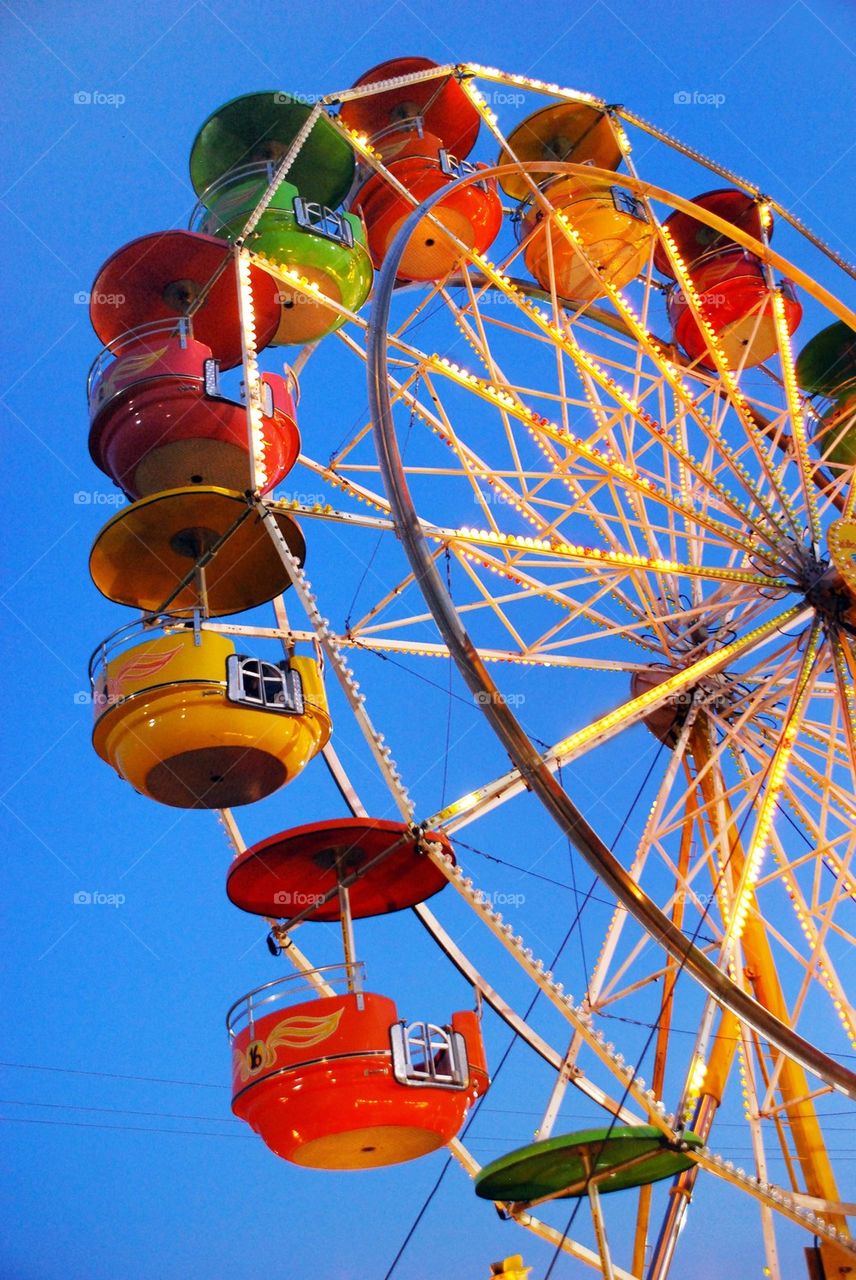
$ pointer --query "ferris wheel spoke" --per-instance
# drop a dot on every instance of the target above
(728, 378)
(793, 1082)
(809, 781)
(624, 561)
(533, 586)
(579, 1016)
(817, 965)
(712, 429)
(812, 958)
(814, 919)
(804, 466)
(776, 582)
(844, 666)
(671, 374)
(773, 784)
(626, 404)
(467, 808)
(596, 985)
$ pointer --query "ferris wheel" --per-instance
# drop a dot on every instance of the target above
(612, 429)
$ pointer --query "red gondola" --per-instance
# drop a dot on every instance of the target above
(440, 103)
(737, 303)
(159, 420)
(695, 239)
(423, 131)
(732, 283)
(171, 275)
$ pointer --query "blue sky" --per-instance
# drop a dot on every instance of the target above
(121, 1008)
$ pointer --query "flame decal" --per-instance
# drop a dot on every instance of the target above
(298, 1032)
(130, 367)
(148, 664)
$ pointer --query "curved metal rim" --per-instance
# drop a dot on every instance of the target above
(505, 724)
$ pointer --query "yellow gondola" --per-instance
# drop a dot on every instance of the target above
(190, 723)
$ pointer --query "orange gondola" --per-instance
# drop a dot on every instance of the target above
(190, 548)
(423, 132)
(341, 1082)
(596, 232)
(472, 214)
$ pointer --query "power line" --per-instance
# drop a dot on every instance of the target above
(122, 1128)
(117, 1111)
(112, 1075)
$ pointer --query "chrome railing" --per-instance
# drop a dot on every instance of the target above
(219, 203)
(180, 327)
(132, 633)
(345, 979)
